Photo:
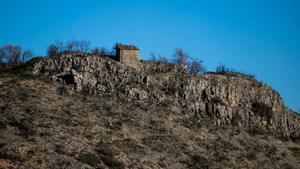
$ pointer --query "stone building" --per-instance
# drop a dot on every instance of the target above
(128, 55)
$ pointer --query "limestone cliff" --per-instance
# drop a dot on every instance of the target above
(210, 99)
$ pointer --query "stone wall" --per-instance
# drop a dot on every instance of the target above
(210, 99)
(130, 57)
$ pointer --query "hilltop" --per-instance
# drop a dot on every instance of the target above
(95, 112)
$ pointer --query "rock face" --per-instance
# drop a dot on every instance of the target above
(209, 99)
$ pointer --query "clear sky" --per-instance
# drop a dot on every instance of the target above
(261, 37)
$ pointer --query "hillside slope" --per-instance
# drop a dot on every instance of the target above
(97, 113)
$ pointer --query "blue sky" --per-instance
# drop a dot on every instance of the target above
(261, 37)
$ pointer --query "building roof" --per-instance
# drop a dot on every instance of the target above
(127, 47)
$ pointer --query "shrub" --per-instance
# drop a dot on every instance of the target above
(112, 163)
(116, 126)
(90, 159)
(10, 54)
(171, 89)
(55, 49)
(58, 47)
(158, 58)
(251, 155)
(180, 57)
(222, 69)
(256, 130)
(235, 118)
(78, 46)
(196, 67)
(197, 161)
(104, 149)
(23, 94)
(270, 150)
(217, 100)
(295, 151)
(62, 90)
(26, 55)
(96, 51)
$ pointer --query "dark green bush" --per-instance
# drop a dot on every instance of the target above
(62, 90)
(197, 161)
(23, 94)
(256, 130)
(251, 155)
(235, 118)
(116, 126)
(90, 159)
(270, 150)
(112, 163)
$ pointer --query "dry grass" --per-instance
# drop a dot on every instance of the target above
(38, 121)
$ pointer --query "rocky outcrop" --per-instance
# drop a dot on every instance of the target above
(209, 99)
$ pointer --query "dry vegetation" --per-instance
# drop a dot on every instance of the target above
(44, 125)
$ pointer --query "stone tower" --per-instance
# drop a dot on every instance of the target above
(128, 55)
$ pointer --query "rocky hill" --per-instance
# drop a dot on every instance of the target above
(94, 112)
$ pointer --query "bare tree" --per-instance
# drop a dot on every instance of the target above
(26, 55)
(72, 46)
(83, 46)
(106, 51)
(96, 51)
(158, 58)
(11, 54)
(162, 58)
(101, 51)
(222, 69)
(180, 57)
(55, 49)
(60, 46)
(52, 50)
(113, 51)
(77, 46)
(196, 67)
(153, 57)
(2, 56)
